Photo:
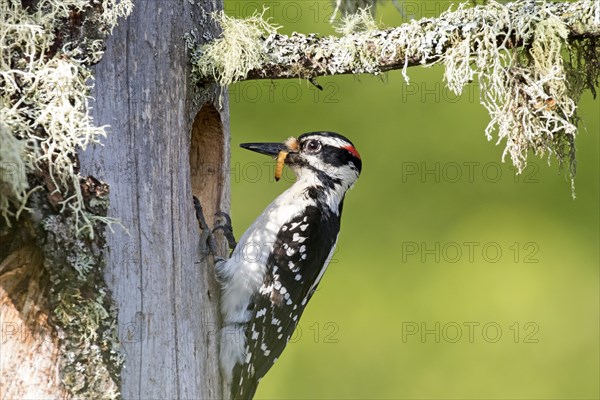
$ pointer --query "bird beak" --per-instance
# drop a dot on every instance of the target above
(285, 152)
(291, 145)
(270, 149)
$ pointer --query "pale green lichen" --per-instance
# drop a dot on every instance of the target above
(239, 49)
(81, 310)
(114, 10)
(44, 93)
(360, 21)
(346, 8)
(14, 164)
(525, 90)
(530, 72)
(354, 46)
(44, 87)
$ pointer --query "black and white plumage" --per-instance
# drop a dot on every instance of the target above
(278, 263)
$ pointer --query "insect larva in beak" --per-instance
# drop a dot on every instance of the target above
(280, 162)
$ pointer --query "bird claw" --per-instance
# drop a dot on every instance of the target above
(227, 229)
(207, 234)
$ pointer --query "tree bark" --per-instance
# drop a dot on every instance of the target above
(161, 148)
(29, 349)
(57, 336)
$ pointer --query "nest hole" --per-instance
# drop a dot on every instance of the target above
(206, 160)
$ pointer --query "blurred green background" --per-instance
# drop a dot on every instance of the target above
(453, 278)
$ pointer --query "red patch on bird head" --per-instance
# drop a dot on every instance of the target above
(352, 150)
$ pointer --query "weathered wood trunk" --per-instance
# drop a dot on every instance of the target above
(161, 149)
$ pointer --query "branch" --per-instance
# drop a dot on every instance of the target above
(514, 51)
(421, 42)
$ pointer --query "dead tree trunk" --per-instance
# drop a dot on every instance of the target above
(162, 147)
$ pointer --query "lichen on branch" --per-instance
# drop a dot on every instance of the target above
(522, 54)
(237, 51)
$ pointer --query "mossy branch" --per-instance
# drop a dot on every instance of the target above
(514, 51)
(418, 42)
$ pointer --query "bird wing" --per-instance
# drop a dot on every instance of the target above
(301, 250)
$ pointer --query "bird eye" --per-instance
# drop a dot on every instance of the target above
(312, 146)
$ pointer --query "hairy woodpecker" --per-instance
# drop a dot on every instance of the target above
(278, 263)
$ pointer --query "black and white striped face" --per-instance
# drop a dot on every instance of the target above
(327, 156)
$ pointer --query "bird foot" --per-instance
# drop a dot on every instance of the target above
(227, 228)
(207, 235)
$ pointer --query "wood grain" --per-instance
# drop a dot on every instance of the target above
(167, 299)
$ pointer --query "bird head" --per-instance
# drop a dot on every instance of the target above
(327, 157)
